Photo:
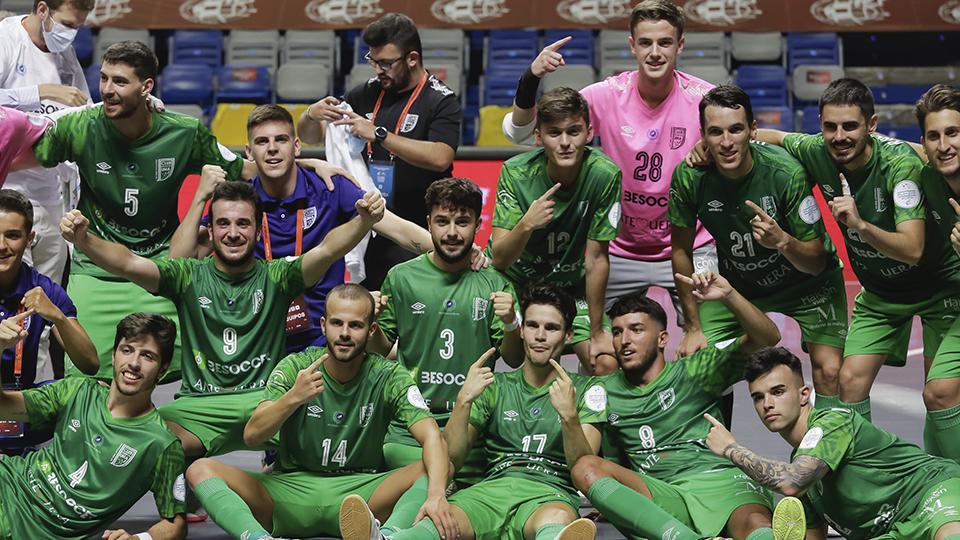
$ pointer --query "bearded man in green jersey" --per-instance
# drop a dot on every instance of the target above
(232, 308)
(442, 315)
(667, 484)
(557, 209)
(536, 422)
(109, 447)
(850, 474)
(755, 200)
(332, 407)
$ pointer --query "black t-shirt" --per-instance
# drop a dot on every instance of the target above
(435, 116)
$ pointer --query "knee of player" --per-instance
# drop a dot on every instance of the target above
(940, 394)
(200, 470)
(586, 471)
(849, 378)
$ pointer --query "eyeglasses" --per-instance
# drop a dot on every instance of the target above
(382, 65)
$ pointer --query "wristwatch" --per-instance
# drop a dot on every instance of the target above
(380, 134)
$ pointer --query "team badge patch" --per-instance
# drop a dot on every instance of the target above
(123, 456)
(165, 168)
(180, 489)
(480, 308)
(366, 413)
(309, 217)
(409, 122)
(809, 211)
(769, 205)
(416, 398)
(595, 398)
(906, 194)
(811, 439)
(667, 398)
(678, 136)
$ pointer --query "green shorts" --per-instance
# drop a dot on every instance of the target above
(705, 501)
(946, 363)
(499, 508)
(581, 323)
(819, 305)
(401, 449)
(101, 304)
(299, 509)
(938, 507)
(216, 419)
(881, 327)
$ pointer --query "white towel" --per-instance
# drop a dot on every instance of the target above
(346, 153)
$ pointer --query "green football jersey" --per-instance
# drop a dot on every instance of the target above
(777, 183)
(232, 327)
(96, 468)
(521, 430)
(444, 323)
(658, 428)
(887, 192)
(937, 249)
(342, 430)
(130, 187)
(589, 211)
(875, 478)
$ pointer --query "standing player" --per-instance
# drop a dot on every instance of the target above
(332, 408)
(536, 422)
(441, 313)
(655, 421)
(850, 474)
(232, 307)
(557, 208)
(756, 201)
(647, 121)
(110, 447)
(872, 184)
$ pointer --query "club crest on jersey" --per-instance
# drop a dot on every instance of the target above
(123, 456)
(409, 122)
(257, 300)
(309, 217)
(366, 413)
(879, 201)
(769, 205)
(480, 308)
(165, 168)
(678, 136)
(667, 398)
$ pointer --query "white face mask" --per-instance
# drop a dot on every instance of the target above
(59, 38)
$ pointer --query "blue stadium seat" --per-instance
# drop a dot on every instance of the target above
(187, 83)
(765, 84)
(92, 74)
(578, 50)
(904, 133)
(511, 49)
(83, 44)
(810, 119)
(812, 48)
(898, 93)
(500, 86)
(203, 47)
(774, 118)
(244, 84)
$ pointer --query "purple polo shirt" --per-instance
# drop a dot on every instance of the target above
(322, 211)
(26, 280)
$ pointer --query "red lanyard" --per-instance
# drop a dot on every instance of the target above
(18, 352)
(376, 108)
(298, 246)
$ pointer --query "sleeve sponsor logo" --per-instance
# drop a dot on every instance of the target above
(613, 216)
(811, 439)
(180, 489)
(226, 153)
(415, 398)
(906, 194)
(724, 344)
(596, 398)
(809, 211)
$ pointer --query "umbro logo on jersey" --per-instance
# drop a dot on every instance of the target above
(103, 167)
(314, 411)
(613, 419)
(667, 398)
(510, 416)
(73, 425)
(715, 206)
(204, 301)
(418, 308)
(123, 456)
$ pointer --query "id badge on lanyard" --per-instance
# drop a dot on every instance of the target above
(298, 316)
(382, 171)
(13, 429)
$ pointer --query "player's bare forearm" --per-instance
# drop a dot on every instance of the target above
(430, 155)
(77, 344)
(904, 245)
(597, 263)
(119, 260)
(333, 247)
(771, 136)
(379, 343)
(759, 331)
(508, 244)
(267, 419)
(458, 433)
(806, 256)
(12, 405)
(511, 349)
(575, 441)
(405, 234)
(309, 130)
(184, 243)
(788, 479)
(249, 169)
(169, 529)
(522, 117)
(681, 259)
(435, 456)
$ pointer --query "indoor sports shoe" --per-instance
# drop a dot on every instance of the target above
(357, 521)
(581, 529)
(789, 522)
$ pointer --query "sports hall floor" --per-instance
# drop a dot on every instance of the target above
(897, 406)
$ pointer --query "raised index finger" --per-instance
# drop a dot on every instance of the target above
(549, 193)
(844, 186)
(956, 207)
(713, 421)
(560, 371)
(759, 211)
(21, 316)
(316, 363)
(484, 357)
(558, 43)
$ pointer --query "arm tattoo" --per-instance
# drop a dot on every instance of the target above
(788, 478)
(418, 247)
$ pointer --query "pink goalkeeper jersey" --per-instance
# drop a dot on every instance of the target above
(647, 144)
(18, 132)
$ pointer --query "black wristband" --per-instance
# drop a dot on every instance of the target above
(526, 97)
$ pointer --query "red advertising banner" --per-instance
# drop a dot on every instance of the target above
(702, 15)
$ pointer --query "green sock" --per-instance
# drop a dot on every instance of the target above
(423, 530)
(952, 537)
(634, 514)
(862, 407)
(766, 533)
(826, 402)
(548, 531)
(228, 510)
(929, 440)
(407, 507)
(946, 431)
